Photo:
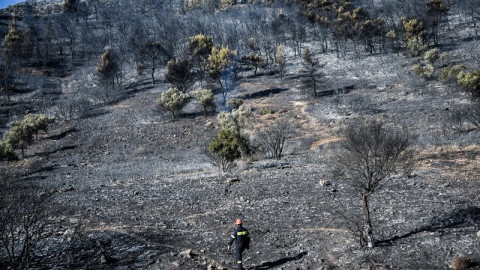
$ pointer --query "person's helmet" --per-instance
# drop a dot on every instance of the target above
(238, 221)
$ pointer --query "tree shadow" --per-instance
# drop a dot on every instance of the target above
(456, 219)
(270, 265)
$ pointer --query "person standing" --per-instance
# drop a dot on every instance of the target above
(241, 237)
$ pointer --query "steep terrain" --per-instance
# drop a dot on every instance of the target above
(145, 193)
(135, 189)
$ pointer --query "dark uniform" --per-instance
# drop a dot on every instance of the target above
(242, 241)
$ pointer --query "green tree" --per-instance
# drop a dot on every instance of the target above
(311, 66)
(226, 148)
(218, 61)
(173, 100)
(200, 47)
(7, 151)
(205, 98)
(107, 69)
(413, 28)
(180, 74)
(470, 81)
(254, 60)
(20, 135)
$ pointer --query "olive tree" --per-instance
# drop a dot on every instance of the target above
(373, 153)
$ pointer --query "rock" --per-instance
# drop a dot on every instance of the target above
(460, 263)
(478, 235)
(324, 183)
(186, 253)
(67, 189)
(232, 180)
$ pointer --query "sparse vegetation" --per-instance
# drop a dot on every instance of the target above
(134, 182)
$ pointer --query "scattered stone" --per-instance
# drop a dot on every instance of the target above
(460, 263)
(186, 253)
(67, 189)
(324, 183)
(478, 235)
(232, 180)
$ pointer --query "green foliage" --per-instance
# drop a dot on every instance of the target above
(201, 45)
(226, 145)
(20, 135)
(431, 55)
(173, 100)
(391, 34)
(234, 103)
(470, 81)
(234, 121)
(254, 60)
(264, 111)
(218, 61)
(426, 71)
(6, 151)
(450, 72)
(413, 29)
(108, 64)
(415, 46)
(205, 98)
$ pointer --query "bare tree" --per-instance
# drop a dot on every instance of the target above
(23, 220)
(271, 138)
(372, 154)
(152, 54)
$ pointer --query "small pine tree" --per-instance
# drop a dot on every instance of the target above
(107, 69)
(254, 60)
(470, 81)
(311, 66)
(7, 151)
(173, 100)
(205, 98)
(218, 61)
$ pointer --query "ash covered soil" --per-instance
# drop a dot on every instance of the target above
(146, 196)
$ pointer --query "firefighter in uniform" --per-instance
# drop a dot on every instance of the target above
(242, 241)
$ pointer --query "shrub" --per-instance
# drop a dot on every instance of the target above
(431, 55)
(173, 100)
(205, 98)
(416, 46)
(426, 71)
(470, 81)
(234, 103)
(226, 148)
(7, 151)
(234, 121)
(264, 111)
(451, 72)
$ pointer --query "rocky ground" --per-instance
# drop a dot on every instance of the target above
(142, 193)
